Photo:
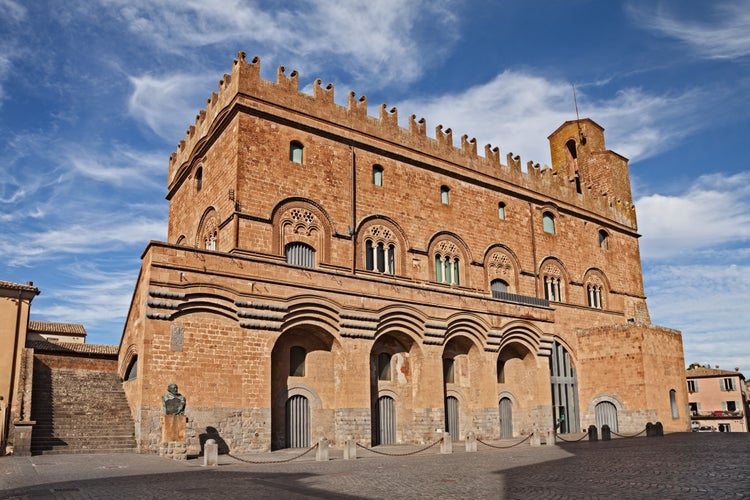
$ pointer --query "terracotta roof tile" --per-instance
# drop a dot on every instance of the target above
(18, 286)
(61, 328)
(702, 371)
(71, 347)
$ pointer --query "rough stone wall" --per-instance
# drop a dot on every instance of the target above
(634, 367)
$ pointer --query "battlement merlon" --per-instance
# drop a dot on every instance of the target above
(246, 85)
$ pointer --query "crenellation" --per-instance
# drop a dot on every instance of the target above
(444, 138)
(417, 128)
(246, 81)
(324, 95)
(389, 118)
(289, 83)
(469, 146)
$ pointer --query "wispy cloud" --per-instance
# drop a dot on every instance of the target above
(723, 33)
(515, 109)
(714, 211)
(386, 39)
(703, 301)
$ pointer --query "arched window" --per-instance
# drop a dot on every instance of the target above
(603, 239)
(501, 211)
(445, 195)
(549, 222)
(377, 175)
(447, 269)
(571, 145)
(198, 179)
(300, 254)
(132, 371)
(498, 288)
(384, 366)
(594, 295)
(295, 152)
(297, 356)
(552, 277)
(448, 370)
(380, 258)
(673, 403)
(500, 371)
(210, 241)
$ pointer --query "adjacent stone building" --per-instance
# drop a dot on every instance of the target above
(332, 273)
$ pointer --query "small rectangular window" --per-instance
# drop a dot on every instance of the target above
(727, 384)
(692, 385)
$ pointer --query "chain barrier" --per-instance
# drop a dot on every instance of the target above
(401, 454)
(585, 433)
(274, 461)
(629, 436)
(504, 447)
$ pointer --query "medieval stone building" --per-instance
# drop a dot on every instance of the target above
(331, 273)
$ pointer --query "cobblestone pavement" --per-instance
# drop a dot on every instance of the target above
(680, 466)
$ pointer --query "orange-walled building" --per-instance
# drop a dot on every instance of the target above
(331, 273)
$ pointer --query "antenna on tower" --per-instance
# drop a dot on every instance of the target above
(578, 119)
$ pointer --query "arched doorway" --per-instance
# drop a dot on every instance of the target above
(606, 414)
(297, 431)
(564, 385)
(390, 386)
(506, 418)
(302, 373)
(386, 417)
(458, 364)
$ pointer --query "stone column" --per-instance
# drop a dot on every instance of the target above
(446, 446)
(471, 442)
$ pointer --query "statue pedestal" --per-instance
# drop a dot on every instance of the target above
(173, 443)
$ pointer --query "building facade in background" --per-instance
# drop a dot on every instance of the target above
(332, 273)
(718, 399)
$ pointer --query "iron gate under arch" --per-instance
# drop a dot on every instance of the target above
(297, 422)
(451, 416)
(386, 420)
(506, 418)
(606, 414)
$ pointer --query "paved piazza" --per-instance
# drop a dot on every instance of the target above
(679, 466)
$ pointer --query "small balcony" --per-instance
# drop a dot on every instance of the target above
(716, 414)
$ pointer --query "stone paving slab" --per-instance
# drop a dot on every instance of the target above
(684, 466)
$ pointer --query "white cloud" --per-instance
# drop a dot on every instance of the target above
(100, 234)
(714, 211)
(516, 110)
(380, 42)
(708, 303)
(725, 34)
(120, 166)
(166, 104)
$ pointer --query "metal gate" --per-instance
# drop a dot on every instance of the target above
(564, 381)
(606, 414)
(451, 416)
(506, 418)
(297, 422)
(386, 420)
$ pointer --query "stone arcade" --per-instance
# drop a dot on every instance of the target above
(331, 273)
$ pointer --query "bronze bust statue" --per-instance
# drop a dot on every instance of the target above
(173, 403)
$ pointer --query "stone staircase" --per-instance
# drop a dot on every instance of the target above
(79, 411)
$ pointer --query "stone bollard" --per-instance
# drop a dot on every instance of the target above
(536, 438)
(321, 454)
(659, 429)
(446, 446)
(650, 430)
(550, 437)
(593, 434)
(606, 433)
(350, 449)
(471, 442)
(210, 453)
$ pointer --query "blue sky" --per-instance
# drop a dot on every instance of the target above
(95, 95)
